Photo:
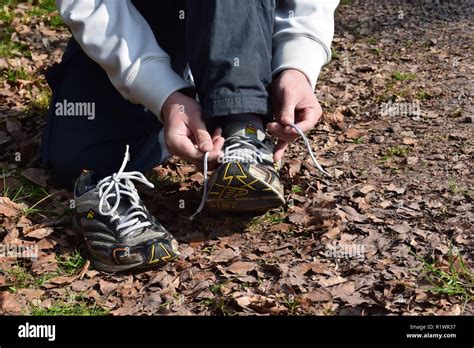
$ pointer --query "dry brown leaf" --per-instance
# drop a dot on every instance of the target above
(393, 188)
(9, 304)
(294, 167)
(31, 294)
(36, 175)
(367, 188)
(335, 119)
(83, 285)
(223, 255)
(152, 302)
(62, 280)
(353, 133)
(404, 227)
(317, 295)
(45, 264)
(9, 208)
(242, 267)
(40, 233)
(332, 281)
(124, 311)
(107, 288)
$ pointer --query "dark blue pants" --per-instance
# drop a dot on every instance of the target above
(228, 45)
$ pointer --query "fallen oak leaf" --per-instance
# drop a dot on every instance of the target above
(124, 311)
(152, 302)
(393, 188)
(402, 228)
(367, 188)
(241, 267)
(107, 288)
(334, 119)
(83, 284)
(62, 280)
(346, 293)
(40, 233)
(332, 281)
(9, 304)
(294, 167)
(351, 214)
(317, 295)
(223, 255)
(31, 294)
(281, 227)
(354, 133)
(9, 208)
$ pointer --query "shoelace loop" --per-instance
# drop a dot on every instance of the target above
(121, 184)
(235, 155)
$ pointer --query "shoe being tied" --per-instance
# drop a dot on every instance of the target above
(247, 179)
(119, 231)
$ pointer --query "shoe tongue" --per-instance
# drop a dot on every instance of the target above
(244, 129)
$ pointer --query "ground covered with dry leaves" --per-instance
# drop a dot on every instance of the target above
(390, 233)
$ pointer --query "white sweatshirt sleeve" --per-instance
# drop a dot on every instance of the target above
(115, 35)
(302, 37)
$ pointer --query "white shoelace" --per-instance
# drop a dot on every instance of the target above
(121, 184)
(234, 153)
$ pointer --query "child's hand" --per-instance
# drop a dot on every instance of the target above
(186, 134)
(293, 102)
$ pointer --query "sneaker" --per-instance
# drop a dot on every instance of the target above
(119, 231)
(247, 180)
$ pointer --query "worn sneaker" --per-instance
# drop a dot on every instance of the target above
(247, 180)
(120, 233)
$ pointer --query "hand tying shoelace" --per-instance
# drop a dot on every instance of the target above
(121, 183)
(231, 154)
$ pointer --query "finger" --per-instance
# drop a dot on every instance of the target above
(278, 131)
(203, 138)
(216, 134)
(216, 153)
(309, 119)
(187, 150)
(288, 102)
(280, 148)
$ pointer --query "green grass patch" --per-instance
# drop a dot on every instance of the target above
(456, 189)
(423, 95)
(371, 40)
(397, 151)
(44, 9)
(12, 75)
(74, 304)
(399, 76)
(274, 218)
(71, 264)
(292, 303)
(39, 105)
(20, 277)
(453, 279)
(296, 189)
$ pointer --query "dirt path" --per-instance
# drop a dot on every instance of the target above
(398, 212)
